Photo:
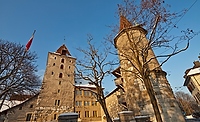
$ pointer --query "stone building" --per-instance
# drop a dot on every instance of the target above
(114, 102)
(59, 94)
(192, 80)
(21, 112)
(130, 42)
(56, 95)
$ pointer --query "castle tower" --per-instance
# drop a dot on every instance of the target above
(130, 42)
(57, 91)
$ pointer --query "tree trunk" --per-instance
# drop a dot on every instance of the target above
(103, 104)
(154, 103)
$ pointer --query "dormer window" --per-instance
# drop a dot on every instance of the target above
(64, 52)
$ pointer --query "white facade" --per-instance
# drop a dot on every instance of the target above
(192, 80)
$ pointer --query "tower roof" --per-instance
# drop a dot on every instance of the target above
(63, 50)
(124, 23)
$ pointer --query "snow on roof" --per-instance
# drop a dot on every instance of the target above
(194, 71)
(189, 116)
(86, 85)
(69, 114)
(137, 117)
(126, 112)
(8, 104)
(60, 54)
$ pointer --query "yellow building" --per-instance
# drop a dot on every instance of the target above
(192, 80)
(86, 104)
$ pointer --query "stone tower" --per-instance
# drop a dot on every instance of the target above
(57, 91)
(133, 39)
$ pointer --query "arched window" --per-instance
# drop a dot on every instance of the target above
(60, 75)
(54, 64)
(61, 66)
(62, 60)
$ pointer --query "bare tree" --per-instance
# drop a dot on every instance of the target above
(158, 21)
(94, 68)
(187, 103)
(17, 71)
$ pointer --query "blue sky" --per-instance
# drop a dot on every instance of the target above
(68, 22)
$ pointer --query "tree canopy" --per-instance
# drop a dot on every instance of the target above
(17, 70)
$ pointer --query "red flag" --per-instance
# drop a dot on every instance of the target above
(30, 41)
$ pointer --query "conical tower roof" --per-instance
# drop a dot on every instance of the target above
(124, 23)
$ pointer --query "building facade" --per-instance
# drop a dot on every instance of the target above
(130, 43)
(59, 94)
(86, 104)
(192, 80)
(114, 103)
(56, 94)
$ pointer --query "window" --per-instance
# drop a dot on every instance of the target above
(192, 85)
(64, 52)
(79, 92)
(69, 67)
(62, 60)
(55, 116)
(78, 103)
(60, 75)
(94, 113)
(20, 108)
(59, 83)
(86, 93)
(51, 73)
(61, 66)
(87, 114)
(94, 103)
(86, 103)
(54, 64)
(55, 58)
(198, 96)
(31, 106)
(28, 117)
(58, 90)
(93, 94)
(57, 102)
(79, 113)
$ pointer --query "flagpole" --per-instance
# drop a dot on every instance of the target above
(34, 32)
